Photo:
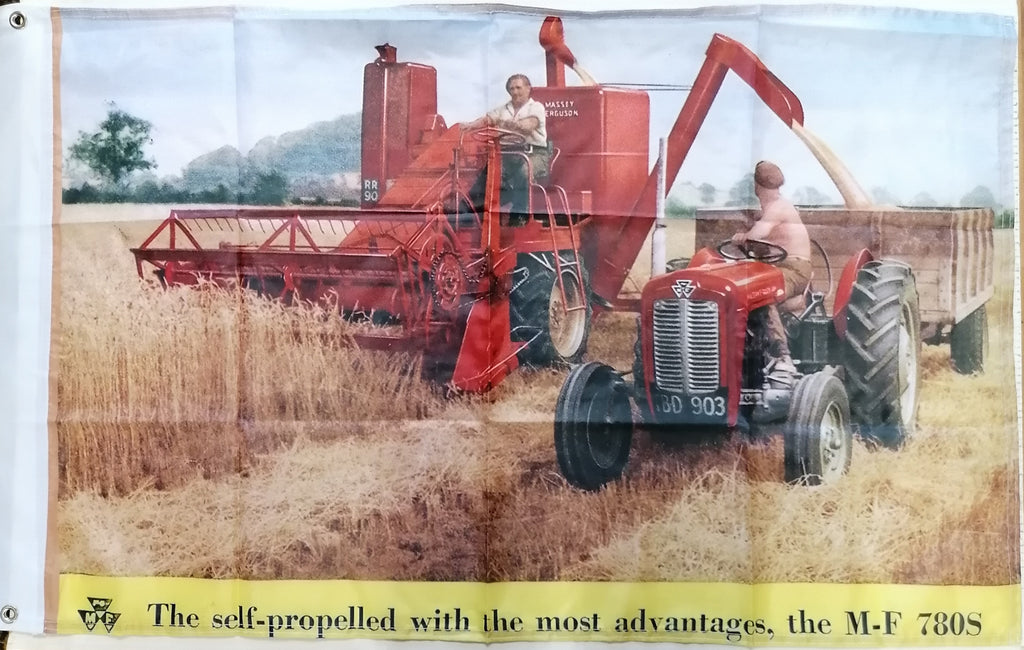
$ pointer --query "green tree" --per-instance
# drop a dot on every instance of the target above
(883, 196)
(1004, 219)
(808, 195)
(267, 188)
(676, 208)
(924, 200)
(742, 193)
(979, 197)
(707, 193)
(117, 149)
(147, 191)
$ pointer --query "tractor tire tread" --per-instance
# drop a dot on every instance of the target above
(811, 399)
(572, 443)
(639, 380)
(881, 290)
(529, 307)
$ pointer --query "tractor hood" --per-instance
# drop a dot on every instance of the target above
(748, 284)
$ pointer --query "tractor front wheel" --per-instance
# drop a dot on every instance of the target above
(818, 439)
(593, 426)
(883, 351)
(639, 380)
(968, 343)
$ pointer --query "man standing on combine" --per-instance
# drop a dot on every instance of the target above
(524, 116)
(780, 225)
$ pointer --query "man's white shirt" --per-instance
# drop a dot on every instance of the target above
(507, 112)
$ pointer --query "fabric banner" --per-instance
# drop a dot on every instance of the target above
(490, 324)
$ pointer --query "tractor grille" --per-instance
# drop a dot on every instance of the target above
(686, 350)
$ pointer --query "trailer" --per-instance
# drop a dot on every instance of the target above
(949, 249)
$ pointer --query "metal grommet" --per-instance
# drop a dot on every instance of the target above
(8, 614)
(17, 21)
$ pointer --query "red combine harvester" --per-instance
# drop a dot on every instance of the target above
(476, 291)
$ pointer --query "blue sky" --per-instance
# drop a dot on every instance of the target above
(916, 101)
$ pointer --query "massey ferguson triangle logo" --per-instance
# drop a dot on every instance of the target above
(683, 288)
(100, 612)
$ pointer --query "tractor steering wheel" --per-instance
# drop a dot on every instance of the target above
(752, 249)
(503, 137)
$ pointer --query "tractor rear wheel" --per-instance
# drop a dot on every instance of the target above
(882, 352)
(553, 316)
(593, 426)
(818, 439)
(968, 343)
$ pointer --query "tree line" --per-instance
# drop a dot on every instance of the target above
(263, 188)
(116, 151)
(741, 194)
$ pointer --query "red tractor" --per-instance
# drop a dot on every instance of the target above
(700, 362)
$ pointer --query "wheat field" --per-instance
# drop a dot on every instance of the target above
(209, 433)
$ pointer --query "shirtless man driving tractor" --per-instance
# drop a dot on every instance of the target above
(780, 225)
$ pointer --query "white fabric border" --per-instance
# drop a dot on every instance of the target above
(1001, 7)
(26, 263)
(26, 204)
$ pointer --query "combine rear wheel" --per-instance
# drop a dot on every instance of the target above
(968, 343)
(883, 349)
(817, 436)
(553, 316)
(593, 426)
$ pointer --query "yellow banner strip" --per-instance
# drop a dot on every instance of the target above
(809, 615)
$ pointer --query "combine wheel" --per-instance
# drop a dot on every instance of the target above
(882, 352)
(556, 322)
(818, 437)
(593, 426)
(968, 343)
(266, 286)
